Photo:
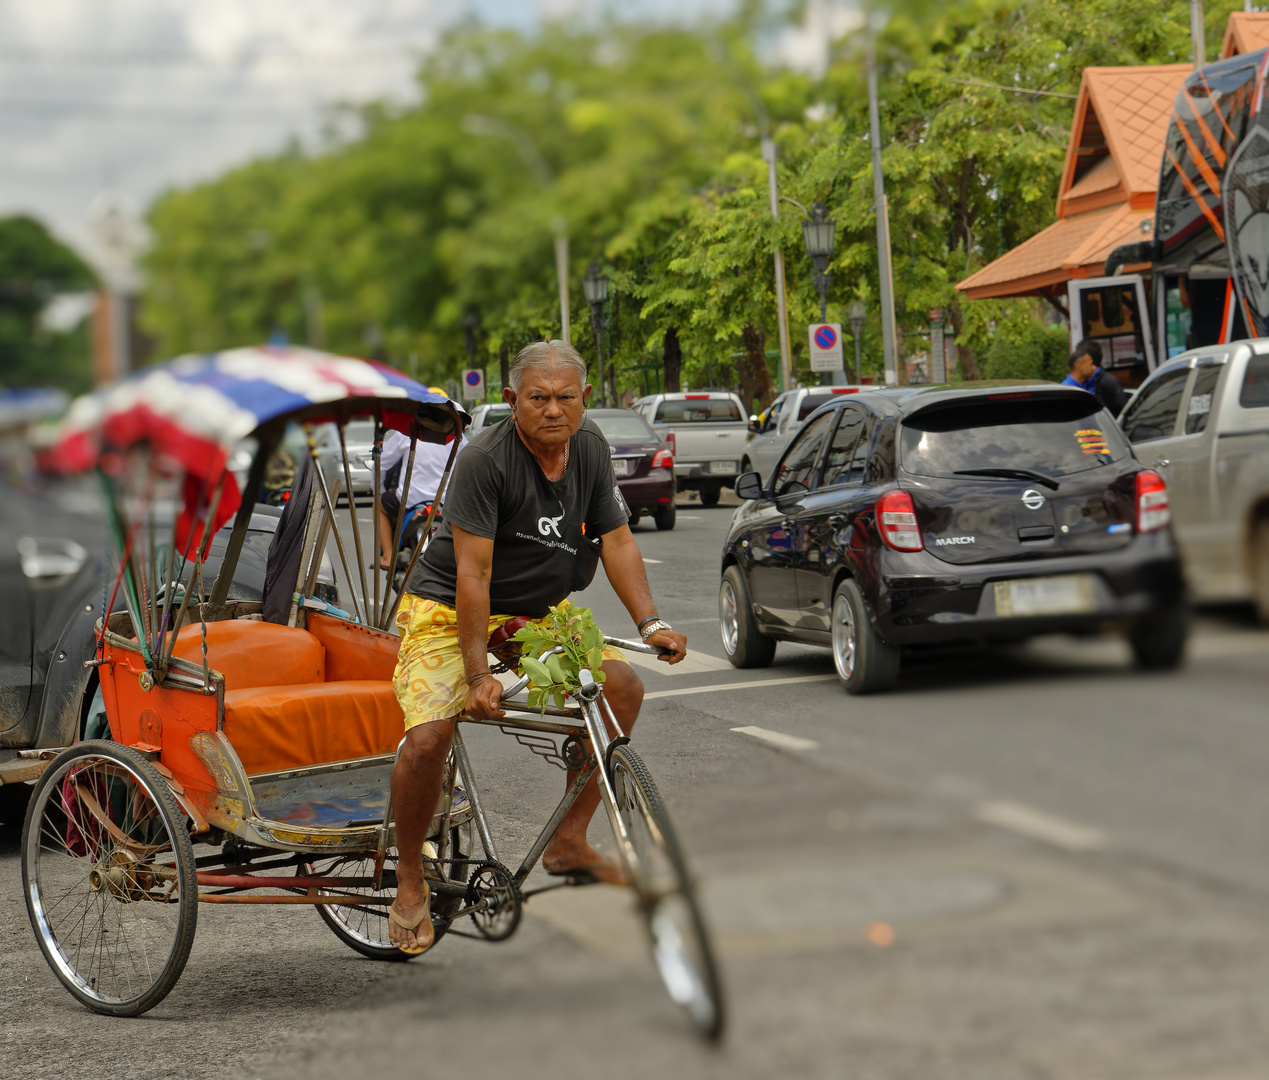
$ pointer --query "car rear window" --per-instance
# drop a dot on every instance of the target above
(494, 414)
(812, 402)
(1051, 436)
(623, 427)
(697, 411)
(1255, 391)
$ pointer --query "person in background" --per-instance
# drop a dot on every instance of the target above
(1086, 372)
(429, 466)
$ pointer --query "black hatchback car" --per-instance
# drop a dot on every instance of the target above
(936, 515)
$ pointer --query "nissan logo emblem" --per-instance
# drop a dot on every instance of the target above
(1032, 499)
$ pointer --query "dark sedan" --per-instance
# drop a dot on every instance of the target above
(644, 467)
(937, 515)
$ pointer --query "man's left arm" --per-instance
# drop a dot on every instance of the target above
(623, 563)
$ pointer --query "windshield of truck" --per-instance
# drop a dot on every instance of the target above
(698, 411)
(1051, 436)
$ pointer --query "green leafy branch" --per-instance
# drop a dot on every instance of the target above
(573, 629)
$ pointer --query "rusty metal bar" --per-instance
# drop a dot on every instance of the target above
(329, 901)
(249, 881)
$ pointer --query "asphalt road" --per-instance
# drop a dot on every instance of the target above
(1029, 862)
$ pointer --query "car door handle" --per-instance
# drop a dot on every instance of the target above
(52, 557)
(1162, 463)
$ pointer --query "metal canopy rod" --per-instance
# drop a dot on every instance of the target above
(200, 555)
(382, 614)
(255, 477)
(301, 577)
(330, 510)
(352, 516)
(377, 453)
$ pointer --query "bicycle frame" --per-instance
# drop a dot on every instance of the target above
(593, 720)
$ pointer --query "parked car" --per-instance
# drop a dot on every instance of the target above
(774, 429)
(483, 416)
(643, 466)
(1202, 420)
(51, 590)
(359, 437)
(935, 515)
(705, 432)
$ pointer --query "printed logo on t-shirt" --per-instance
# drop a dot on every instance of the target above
(616, 494)
(550, 525)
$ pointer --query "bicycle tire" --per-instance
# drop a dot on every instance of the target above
(654, 859)
(90, 894)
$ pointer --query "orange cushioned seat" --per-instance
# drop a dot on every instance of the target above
(251, 653)
(290, 727)
(354, 651)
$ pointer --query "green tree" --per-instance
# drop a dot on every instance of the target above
(35, 267)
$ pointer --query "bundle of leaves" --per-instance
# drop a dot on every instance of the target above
(573, 629)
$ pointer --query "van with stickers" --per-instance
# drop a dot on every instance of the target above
(1202, 422)
(915, 517)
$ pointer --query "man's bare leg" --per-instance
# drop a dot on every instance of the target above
(416, 789)
(385, 539)
(569, 848)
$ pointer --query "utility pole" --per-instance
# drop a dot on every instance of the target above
(558, 226)
(883, 219)
(1198, 43)
(786, 363)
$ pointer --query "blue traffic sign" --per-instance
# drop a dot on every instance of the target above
(825, 337)
(473, 378)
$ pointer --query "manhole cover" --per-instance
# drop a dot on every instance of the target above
(827, 899)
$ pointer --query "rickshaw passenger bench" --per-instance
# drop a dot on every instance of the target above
(295, 698)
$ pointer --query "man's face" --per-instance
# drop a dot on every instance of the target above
(1084, 368)
(550, 404)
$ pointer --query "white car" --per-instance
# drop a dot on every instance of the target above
(770, 433)
(483, 416)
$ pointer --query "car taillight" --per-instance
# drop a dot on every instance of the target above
(663, 459)
(896, 517)
(1153, 512)
(669, 440)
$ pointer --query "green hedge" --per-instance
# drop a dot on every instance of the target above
(1039, 352)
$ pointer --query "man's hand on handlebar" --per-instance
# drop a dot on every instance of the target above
(672, 640)
(482, 700)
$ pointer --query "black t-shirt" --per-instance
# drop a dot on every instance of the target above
(1110, 392)
(498, 491)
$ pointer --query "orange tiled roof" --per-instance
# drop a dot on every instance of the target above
(1103, 176)
(1246, 31)
(1075, 246)
(1132, 105)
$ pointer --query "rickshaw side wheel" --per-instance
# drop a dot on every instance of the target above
(109, 878)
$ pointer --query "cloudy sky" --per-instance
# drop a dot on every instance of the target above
(142, 95)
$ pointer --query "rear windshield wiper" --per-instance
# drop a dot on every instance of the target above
(1012, 474)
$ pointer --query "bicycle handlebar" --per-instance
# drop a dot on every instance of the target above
(621, 643)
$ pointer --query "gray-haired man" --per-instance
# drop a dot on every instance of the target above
(525, 498)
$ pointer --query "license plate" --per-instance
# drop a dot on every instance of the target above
(722, 466)
(1070, 594)
(620, 466)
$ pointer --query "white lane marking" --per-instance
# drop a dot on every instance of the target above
(694, 663)
(741, 685)
(1037, 825)
(780, 739)
(654, 562)
(689, 517)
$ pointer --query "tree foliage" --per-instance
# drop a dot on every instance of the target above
(643, 141)
(35, 267)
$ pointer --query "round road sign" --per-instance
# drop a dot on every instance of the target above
(473, 378)
(825, 337)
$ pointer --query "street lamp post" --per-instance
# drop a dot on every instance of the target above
(819, 231)
(857, 314)
(595, 286)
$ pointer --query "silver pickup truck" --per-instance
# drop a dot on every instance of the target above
(1202, 420)
(705, 432)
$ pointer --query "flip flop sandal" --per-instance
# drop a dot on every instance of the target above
(585, 875)
(416, 950)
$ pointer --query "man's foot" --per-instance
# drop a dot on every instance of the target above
(585, 864)
(410, 920)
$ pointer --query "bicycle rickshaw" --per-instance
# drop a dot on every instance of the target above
(249, 761)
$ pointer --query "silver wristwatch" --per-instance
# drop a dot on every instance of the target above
(652, 627)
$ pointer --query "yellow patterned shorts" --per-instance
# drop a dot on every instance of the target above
(430, 681)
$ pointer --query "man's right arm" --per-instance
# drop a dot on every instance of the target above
(473, 557)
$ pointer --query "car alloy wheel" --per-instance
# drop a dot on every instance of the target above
(843, 636)
(727, 619)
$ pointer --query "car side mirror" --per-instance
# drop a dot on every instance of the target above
(754, 426)
(749, 486)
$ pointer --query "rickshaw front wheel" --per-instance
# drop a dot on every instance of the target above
(109, 878)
